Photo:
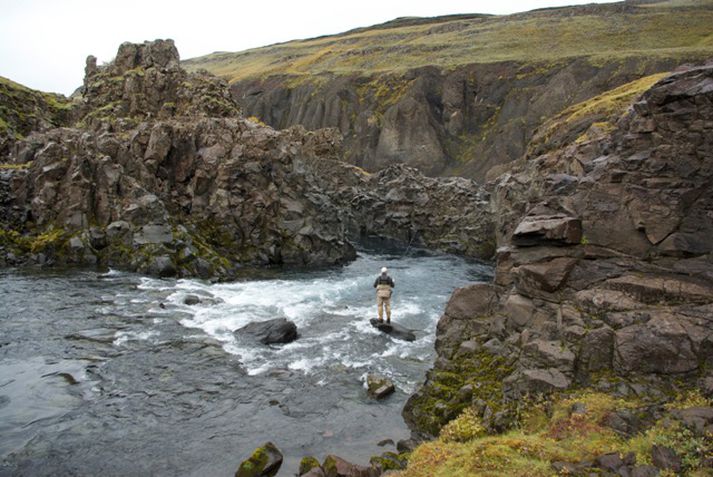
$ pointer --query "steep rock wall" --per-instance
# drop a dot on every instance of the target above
(461, 121)
(603, 269)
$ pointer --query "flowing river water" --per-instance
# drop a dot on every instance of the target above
(112, 374)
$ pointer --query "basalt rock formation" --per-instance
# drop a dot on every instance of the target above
(455, 122)
(158, 172)
(604, 269)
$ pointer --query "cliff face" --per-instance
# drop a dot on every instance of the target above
(158, 172)
(459, 95)
(458, 122)
(603, 268)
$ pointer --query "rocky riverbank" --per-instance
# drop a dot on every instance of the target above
(158, 172)
(603, 285)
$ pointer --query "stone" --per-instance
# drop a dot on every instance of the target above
(609, 462)
(117, 229)
(656, 289)
(161, 266)
(549, 354)
(388, 461)
(557, 229)
(76, 244)
(519, 310)
(697, 419)
(472, 300)
(265, 461)
(533, 381)
(660, 345)
(468, 347)
(334, 466)
(191, 300)
(707, 385)
(153, 234)
(315, 472)
(547, 276)
(379, 386)
(665, 458)
(495, 346)
(394, 330)
(385, 442)
(308, 463)
(407, 445)
(596, 350)
(277, 331)
(644, 471)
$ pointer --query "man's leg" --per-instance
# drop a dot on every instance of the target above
(380, 307)
(387, 302)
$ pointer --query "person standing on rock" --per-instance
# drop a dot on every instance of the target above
(384, 285)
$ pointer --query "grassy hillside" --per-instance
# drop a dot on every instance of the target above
(601, 32)
(23, 109)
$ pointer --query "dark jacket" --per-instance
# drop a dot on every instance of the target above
(384, 280)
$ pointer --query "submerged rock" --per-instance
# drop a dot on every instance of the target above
(265, 461)
(379, 386)
(279, 330)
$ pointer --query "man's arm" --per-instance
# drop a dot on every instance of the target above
(376, 281)
(391, 280)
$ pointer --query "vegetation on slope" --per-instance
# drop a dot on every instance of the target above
(23, 110)
(571, 431)
(588, 119)
(665, 29)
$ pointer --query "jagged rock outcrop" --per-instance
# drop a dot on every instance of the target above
(159, 173)
(603, 268)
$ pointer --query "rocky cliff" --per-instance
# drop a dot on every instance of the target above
(459, 95)
(158, 172)
(603, 277)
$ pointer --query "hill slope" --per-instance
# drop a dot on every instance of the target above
(459, 94)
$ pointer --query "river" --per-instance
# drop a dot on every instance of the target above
(112, 374)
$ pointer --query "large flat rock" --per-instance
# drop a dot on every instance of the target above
(396, 331)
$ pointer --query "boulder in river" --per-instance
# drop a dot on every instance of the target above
(396, 331)
(191, 300)
(279, 330)
(265, 461)
(379, 386)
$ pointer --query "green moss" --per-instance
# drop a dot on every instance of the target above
(254, 465)
(53, 242)
(438, 403)
(563, 436)
(23, 109)
(385, 91)
(307, 463)
(390, 461)
(465, 427)
(16, 167)
(330, 466)
(592, 118)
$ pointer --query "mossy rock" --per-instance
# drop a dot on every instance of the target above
(437, 402)
(390, 461)
(265, 461)
(306, 464)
